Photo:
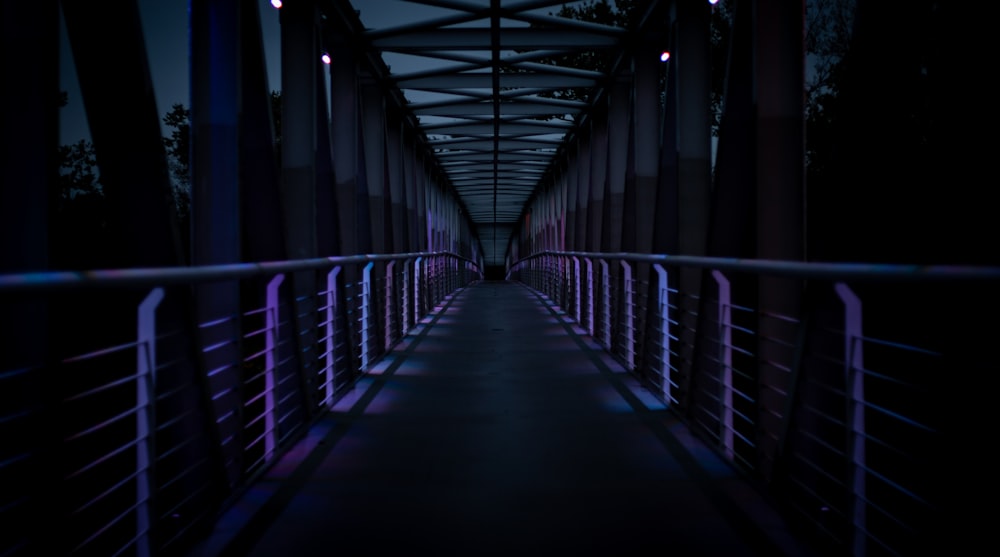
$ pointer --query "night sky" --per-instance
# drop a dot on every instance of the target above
(165, 28)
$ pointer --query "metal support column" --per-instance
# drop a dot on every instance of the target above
(299, 59)
(778, 66)
(692, 114)
(216, 206)
(614, 197)
(598, 179)
(30, 122)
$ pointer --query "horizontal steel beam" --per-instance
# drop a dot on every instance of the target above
(502, 144)
(485, 81)
(473, 38)
(479, 108)
(474, 156)
(506, 128)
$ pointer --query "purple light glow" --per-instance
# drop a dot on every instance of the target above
(326, 58)
(276, 3)
(613, 402)
(665, 56)
(347, 401)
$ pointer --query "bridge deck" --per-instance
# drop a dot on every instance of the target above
(496, 427)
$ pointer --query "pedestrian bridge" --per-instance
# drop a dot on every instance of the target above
(567, 408)
(566, 303)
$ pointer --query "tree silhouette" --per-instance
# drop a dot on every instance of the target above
(178, 148)
(78, 174)
(827, 43)
(79, 218)
(618, 13)
(79, 215)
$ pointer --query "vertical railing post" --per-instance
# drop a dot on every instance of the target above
(389, 306)
(542, 265)
(590, 295)
(560, 282)
(332, 299)
(271, 363)
(628, 317)
(145, 416)
(432, 282)
(538, 277)
(552, 278)
(452, 265)
(546, 269)
(606, 300)
(566, 283)
(854, 384)
(556, 279)
(405, 302)
(725, 356)
(454, 274)
(366, 302)
(663, 300)
(576, 289)
(435, 281)
(417, 276)
(438, 280)
(445, 277)
(429, 284)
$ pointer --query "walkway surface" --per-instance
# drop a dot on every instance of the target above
(497, 428)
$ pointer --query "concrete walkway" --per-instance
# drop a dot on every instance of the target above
(497, 428)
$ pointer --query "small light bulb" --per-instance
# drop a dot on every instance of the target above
(326, 58)
(665, 56)
(276, 3)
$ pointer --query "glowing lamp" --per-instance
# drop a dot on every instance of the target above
(276, 3)
(665, 56)
(326, 58)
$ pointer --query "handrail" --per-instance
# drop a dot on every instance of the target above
(158, 276)
(801, 269)
(830, 396)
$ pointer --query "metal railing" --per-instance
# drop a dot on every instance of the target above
(821, 380)
(134, 429)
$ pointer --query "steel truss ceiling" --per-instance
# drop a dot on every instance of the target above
(482, 82)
